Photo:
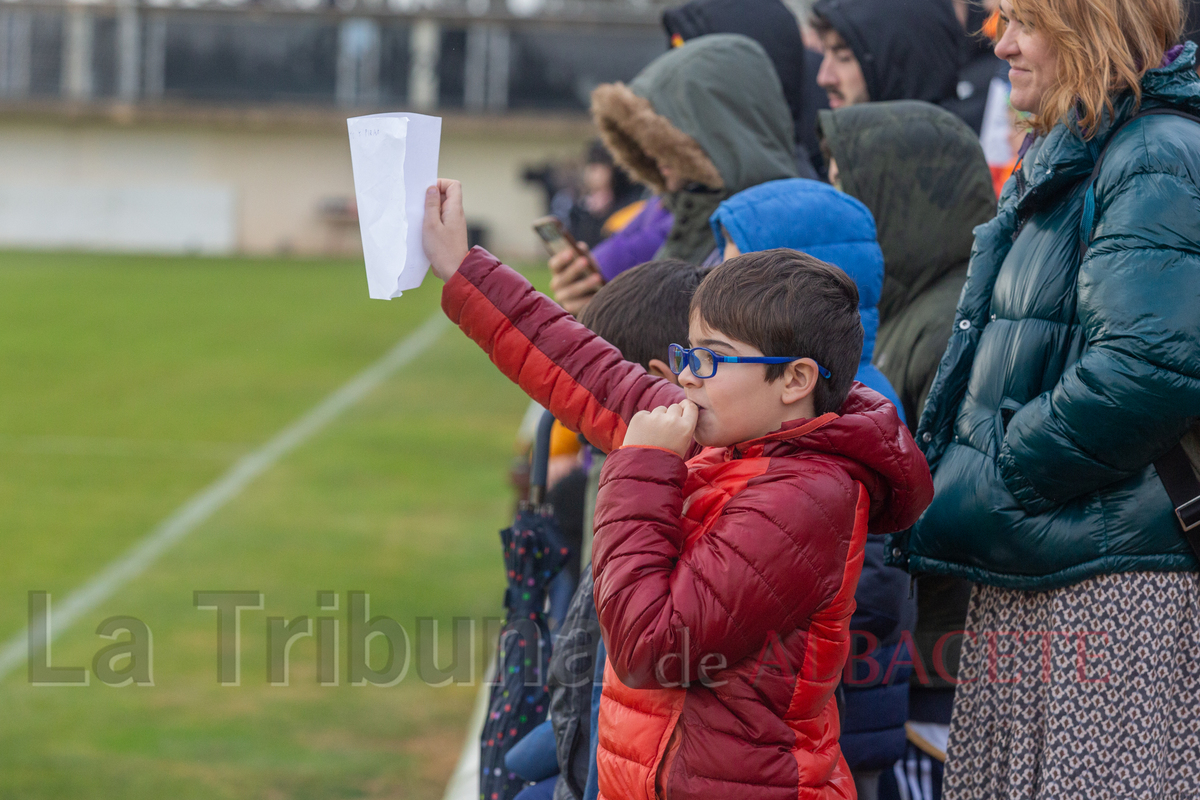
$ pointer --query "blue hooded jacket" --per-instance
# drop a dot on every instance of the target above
(816, 219)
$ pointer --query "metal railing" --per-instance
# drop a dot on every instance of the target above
(471, 55)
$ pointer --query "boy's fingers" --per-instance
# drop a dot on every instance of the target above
(571, 271)
(433, 205)
(559, 281)
(453, 205)
(565, 291)
(691, 412)
(580, 268)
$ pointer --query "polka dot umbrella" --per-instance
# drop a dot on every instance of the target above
(533, 555)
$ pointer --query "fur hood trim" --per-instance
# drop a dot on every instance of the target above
(640, 139)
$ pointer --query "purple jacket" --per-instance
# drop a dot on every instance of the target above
(636, 243)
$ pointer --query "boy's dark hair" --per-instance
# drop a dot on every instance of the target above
(644, 309)
(786, 303)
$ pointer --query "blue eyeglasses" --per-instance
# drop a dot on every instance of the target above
(703, 362)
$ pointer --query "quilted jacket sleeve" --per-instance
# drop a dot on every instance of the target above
(559, 363)
(1127, 399)
(775, 557)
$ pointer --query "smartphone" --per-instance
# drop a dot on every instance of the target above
(557, 238)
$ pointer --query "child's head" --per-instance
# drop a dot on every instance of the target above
(644, 310)
(779, 303)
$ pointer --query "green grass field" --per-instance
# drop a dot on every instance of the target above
(131, 383)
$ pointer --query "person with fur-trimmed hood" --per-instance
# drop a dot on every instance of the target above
(701, 123)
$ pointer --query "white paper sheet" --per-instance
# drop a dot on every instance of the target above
(395, 158)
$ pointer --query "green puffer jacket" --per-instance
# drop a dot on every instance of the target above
(1063, 380)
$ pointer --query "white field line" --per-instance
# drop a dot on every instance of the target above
(464, 783)
(195, 511)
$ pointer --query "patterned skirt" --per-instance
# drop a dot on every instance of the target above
(1089, 691)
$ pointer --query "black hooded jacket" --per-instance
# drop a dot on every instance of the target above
(770, 24)
(908, 49)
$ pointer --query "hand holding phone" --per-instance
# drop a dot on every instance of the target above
(576, 276)
(559, 240)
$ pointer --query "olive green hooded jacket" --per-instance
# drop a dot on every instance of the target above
(713, 113)
(921, 172)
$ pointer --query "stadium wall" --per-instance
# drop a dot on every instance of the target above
(245, 182)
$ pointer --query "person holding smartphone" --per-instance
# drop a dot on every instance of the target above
(701, 123)
(577, 276)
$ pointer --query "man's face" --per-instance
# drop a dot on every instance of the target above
(841, 75)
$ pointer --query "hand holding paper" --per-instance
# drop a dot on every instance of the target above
(395, 158)
(445, 230)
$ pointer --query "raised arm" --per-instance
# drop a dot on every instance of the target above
(581, 378)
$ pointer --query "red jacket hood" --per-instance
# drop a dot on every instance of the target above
(874, 446)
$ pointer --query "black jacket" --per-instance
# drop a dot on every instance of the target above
(572, 664)
(770, 24)
(908, 49)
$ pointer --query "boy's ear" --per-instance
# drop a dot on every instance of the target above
(799, 380)
(659, 368)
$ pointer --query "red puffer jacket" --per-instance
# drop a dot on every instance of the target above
(724, 584)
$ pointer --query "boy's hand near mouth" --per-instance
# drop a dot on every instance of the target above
(669, 427)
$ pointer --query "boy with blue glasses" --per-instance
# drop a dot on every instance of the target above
(703, 362)
(732, 513)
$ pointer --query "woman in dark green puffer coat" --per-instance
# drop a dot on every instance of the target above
(1064, 380)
